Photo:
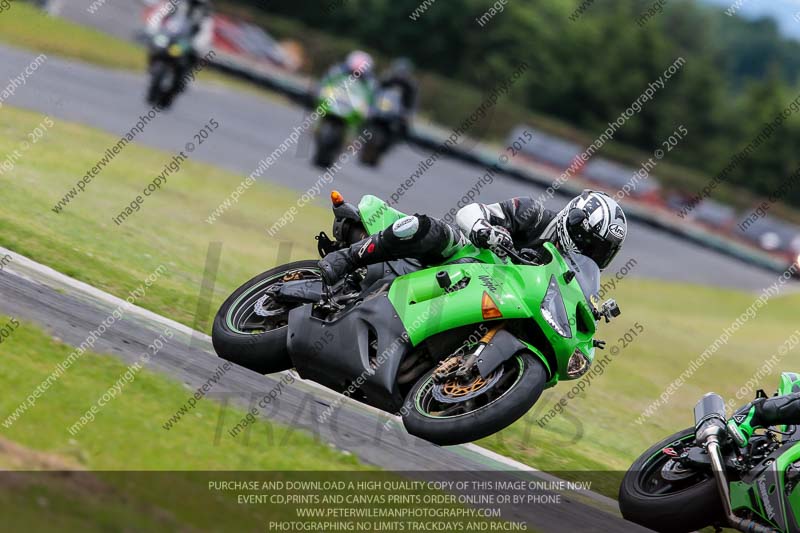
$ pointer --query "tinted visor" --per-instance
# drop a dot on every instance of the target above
(594, 246)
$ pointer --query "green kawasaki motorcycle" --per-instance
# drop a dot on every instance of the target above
(345, 103)
(461, 350)
(742, 472)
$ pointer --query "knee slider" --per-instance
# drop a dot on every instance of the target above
(406, 228)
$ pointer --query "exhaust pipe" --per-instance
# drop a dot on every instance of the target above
(742, 524)
(709, 415)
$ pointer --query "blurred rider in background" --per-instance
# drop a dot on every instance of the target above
(197, 13)
(400, 74)
(358, 64)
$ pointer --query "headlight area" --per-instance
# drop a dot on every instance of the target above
(578, 364)
(554, 311)
(162, 41)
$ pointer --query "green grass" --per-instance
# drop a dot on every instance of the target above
(28, 27)
(170, 229)
(127, 434)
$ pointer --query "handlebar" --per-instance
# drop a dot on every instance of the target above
(513, 254)
(764, 413)
(780, 410)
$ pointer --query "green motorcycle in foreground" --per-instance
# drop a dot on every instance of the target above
(345, 104)
(461, 349)
(742, 472)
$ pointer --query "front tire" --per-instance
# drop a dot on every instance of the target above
(330, 140)
(157, 72)
(512, 397)
(656, 494)
(243, 336)
(372, 151)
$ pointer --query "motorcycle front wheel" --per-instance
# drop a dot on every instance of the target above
(329, 142)
(372, 151)
(455, 413)
(250, 328)
(659, 493)
(158, 70)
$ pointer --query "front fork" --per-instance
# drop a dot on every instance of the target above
(710, 427)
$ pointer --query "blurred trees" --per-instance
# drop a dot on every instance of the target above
(738, 74)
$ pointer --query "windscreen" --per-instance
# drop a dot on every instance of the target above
(587, 273)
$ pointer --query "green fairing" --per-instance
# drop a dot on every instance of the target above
(518, 291)
(747, 497)
(789, 383)
(377, 214)
(347, 99)
(790, 456)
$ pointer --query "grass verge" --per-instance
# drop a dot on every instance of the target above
(127, 435)
(170, 229)
(28, 27)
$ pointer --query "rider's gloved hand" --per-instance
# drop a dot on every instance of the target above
(538, 256)
(777, 410)
(484, 235)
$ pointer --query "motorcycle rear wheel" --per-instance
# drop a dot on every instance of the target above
(253, 341)
(501, 404)
(658, 494)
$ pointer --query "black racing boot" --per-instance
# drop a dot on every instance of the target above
(338, 264)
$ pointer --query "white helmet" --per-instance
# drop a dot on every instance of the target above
(359, 61)
(594, 225)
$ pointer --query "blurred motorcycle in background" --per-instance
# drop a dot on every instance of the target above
(345, 104)
(169, 58)
(388, 123)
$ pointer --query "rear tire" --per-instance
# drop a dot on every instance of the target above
(263, 352)
(689, 508)
(484, 421)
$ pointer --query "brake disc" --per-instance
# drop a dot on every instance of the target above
(674, 471)
(455, 392)
(261, 310)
